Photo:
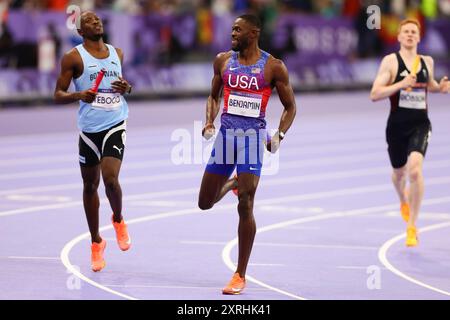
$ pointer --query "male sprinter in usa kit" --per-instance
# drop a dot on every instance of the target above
(247, 75)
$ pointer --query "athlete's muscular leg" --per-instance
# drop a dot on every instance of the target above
(230, 184)
(247, 227)
(110, 172)
(415, 162)
(399, 181)
(91, 180)
(212, 189)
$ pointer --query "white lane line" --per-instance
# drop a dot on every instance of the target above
(286, 245)
(315, 246)
(347, 159)
(226, 252)
(144, 148)
(160, 203)
(382, 256)
(37, 160)
(147, 195)
(68, 247)
(44, 208)
(33, 258)
(37, 174)
(214, 243)
(301, 197)
(42, 188)
(79, 203)
(303, 228)
(389, 231)
(423, 215)
(78, 185)
(140, 135)
(136, 152)
(74, 170)
(355, 267)
(71, 159)
(76, 272)
(268, 182)
(255, 264)
(61, 149)
(346, 174)
(141, 179)
(32, 198)
(137, 286)
(66, 136)
(136, 142)
(167, 161)
(126, 181)
(163, 162)
(291, 209)
(286, 165)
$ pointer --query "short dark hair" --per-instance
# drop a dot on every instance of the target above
(252, 19)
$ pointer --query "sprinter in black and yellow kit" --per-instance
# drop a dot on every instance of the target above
(406, 78)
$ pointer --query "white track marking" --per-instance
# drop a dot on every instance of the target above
(389, 231)
(286, 245)
(354, 267)
(301, 197)
(382, 256)
(68, 247)
(33, 198)
(34, 258)
(255, 264)
(213, 243)
(312, 245)
(160, 203)
(226, 252)
(303, 228)
(173, 287)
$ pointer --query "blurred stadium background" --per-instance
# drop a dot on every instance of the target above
(169, 45)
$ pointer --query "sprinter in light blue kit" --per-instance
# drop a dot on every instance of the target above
(102, 123)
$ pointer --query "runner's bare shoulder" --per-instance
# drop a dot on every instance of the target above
(72, 59)
(390, 60)
(221, 60)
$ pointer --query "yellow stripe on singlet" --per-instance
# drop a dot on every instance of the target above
(414, 68)
(415, 65)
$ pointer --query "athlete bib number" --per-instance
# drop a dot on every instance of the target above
(414, 99)
(107, 100)
(244, 104)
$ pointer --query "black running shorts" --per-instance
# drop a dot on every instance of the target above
(402, 141)
(108, 143)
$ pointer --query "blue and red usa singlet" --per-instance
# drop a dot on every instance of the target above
(245, 93)
(240, 140)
